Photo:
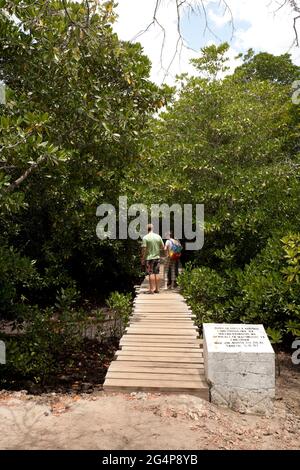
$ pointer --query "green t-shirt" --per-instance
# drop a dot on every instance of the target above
(153, 244)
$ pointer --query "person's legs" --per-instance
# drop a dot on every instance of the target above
(166, 272)
(156, 267)
(176, 272)
(151, 276)
(169, 276)
(152, 283)
(172, 267)
(157, 281)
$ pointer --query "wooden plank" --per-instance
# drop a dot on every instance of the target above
(164, 311)
(159, 298)
(187, 333)
(156, 301)
(124, 367)
(161, 344)
(184, 315)
(161, 308)
(163, 327)
(159, 348)
(153, 309)
(150, 301)
(157, 385)
(161, 338)
(152, 354)
(180, 349)
(155, 376)
(161, 331)
(169, 323)
(165, 303)
(172, 346)
(162, 295)
(155, 364)
(166, 324)
(180, 338)
(147, 320)
(163, 314)
(162, 358)
(156, 311)
(152, 320)
(148, 317)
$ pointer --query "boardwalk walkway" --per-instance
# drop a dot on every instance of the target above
(160, 350)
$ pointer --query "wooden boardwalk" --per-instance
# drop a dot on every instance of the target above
(160, 350)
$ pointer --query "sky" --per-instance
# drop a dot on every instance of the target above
(257, 25)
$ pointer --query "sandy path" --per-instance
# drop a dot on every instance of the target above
(146, 421)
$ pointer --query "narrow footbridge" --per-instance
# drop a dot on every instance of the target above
(160, 350)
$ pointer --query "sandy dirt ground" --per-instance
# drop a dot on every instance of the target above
(145, 421)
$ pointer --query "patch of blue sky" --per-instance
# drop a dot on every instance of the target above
(199, 30)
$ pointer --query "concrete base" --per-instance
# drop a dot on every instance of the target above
(240, 377)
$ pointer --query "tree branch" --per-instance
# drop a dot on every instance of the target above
(197, 7)
(25, 175)
(295, 6)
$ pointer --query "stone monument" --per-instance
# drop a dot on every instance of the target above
(239, 364)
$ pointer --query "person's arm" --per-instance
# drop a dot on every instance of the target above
(162, 247)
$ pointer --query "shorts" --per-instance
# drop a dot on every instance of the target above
(153, 266)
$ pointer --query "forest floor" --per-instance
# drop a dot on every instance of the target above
(147, 421)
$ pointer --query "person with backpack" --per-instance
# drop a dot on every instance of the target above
(173, 251)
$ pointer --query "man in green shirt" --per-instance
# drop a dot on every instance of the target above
(151, 247)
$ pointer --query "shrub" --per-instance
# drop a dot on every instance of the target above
(120, 306)
(48, 336)
(267, 291)
(207, 292)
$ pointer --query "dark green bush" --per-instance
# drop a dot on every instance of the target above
(267, 291)
(120, 306)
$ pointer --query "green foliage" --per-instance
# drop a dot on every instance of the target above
(17, 274)
(235, 142)
(78, 129)
(291, 245)
(205, 291)
(264, 66)
(120, 306)
(34, 354)
(78, 101)
(212, 61)
(47, 337)
(275, 336)
(258, 294)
